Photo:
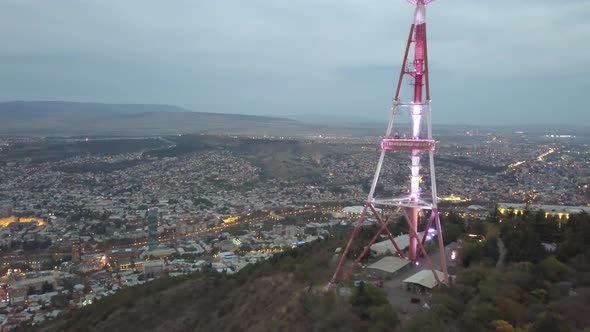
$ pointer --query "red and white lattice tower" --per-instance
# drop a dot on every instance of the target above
(416, 140)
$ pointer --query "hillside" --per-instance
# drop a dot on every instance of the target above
(533, 290)
(282, 294)
(58, 118)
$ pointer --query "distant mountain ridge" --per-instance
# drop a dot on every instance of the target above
(43, 107)
(75, 118)
(69, 106)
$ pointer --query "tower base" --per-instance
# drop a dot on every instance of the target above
(415, 240)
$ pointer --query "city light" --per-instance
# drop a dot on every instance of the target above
(92, 206)
(7, 221)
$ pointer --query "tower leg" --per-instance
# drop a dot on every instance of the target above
(368, 246)
(428, 260)
(441, 246)
(389, 235)
(355, 233)
(430, 220)
(413, 233)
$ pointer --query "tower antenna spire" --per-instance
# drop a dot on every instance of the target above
(420, 197)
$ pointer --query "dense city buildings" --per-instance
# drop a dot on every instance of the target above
(79, 226)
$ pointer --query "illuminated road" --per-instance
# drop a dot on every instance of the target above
(545, 154)
(539, 158)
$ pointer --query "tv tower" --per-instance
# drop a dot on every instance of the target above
(410, 137)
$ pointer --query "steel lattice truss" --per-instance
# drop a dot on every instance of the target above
(416, 201)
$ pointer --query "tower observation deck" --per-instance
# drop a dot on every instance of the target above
(410, 118)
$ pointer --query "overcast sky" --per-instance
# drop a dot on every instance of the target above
(495, 61)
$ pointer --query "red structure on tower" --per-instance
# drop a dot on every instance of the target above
(411, 137)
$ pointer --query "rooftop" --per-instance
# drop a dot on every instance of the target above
(390, 264)
(425, 278)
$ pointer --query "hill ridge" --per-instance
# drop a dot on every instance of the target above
(76, 118)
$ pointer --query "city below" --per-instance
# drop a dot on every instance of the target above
(82, 218)
(294, 166)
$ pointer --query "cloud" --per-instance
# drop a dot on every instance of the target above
(330, 56)
(511, 38)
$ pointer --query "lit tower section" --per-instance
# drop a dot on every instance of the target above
(414, 136)
(418, 74)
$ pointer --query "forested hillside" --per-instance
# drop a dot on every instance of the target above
(537, 289)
